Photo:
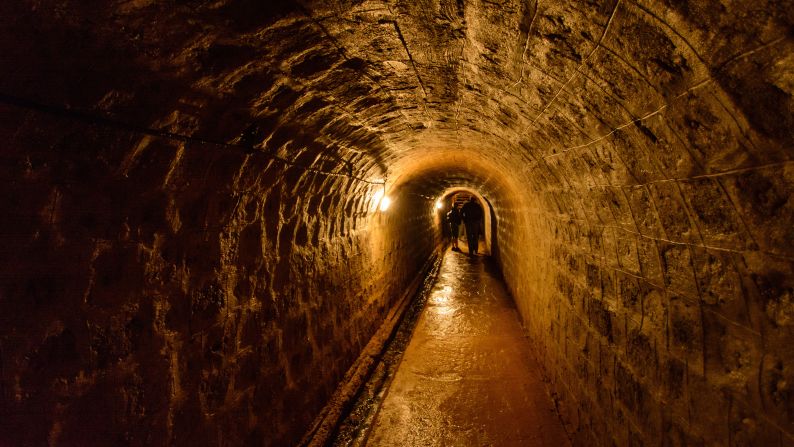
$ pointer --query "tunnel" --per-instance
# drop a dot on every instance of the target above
(195, 248)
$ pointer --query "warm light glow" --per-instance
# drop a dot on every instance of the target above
(380, 201)
(376, 198)
(443, 304)
(384, 203)
(439, 205)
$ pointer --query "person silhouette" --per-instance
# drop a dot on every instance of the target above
(472, 218)
(454, 219)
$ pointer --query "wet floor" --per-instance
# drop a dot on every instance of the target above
(466, 377)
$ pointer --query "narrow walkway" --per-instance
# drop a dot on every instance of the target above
(466, 378)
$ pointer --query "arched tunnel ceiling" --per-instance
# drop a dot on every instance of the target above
(634, 152)
(382, 82)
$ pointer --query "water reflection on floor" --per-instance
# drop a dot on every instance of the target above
(466, 378)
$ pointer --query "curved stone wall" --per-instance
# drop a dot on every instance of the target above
(191, 256)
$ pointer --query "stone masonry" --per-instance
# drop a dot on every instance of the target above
(191, 254)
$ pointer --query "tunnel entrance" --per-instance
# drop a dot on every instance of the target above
(457, 197)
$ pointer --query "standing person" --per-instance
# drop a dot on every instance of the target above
(454, 218)
(472, 217)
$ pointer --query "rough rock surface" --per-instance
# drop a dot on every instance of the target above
(194, 289)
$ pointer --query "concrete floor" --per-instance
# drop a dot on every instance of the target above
(466, 378)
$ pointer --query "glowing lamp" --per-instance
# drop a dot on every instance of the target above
(384, 203)
(376, 198)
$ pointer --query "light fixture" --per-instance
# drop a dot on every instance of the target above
(379, 199)
(439, 205)
(376, 198)
(384, 203)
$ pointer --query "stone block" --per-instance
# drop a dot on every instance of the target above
(747, 427)
(655, 305)
(610, 240)
(732, 355)
(675, 220)
(674, 378)
(602, 203)
(629, 293)
(645, 214)
(686, 331)
(641, 354)
(628, 257)
(650, 267)
(613, 169)
(662, 56)
(601, 319)
(638, 164)
(677, 268)
(609, 292)
(669, 152)
(709, 404)
(715, 215)
(720, 285)
(717, 143)
(769, 291)
(620, 331)
(628, 390)
(764, 198)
